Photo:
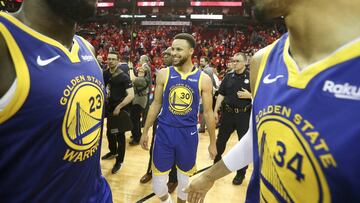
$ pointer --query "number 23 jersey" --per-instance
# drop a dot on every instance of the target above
(50, 133)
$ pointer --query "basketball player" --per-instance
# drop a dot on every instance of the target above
(172, 184)
(177, 96)
(51, 106)
(301, 151)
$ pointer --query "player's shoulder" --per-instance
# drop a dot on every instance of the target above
(258, 56)
(87, 44)
(7, 67)
(204, 76)
(257, 61)
(162, 75)
(163, 72)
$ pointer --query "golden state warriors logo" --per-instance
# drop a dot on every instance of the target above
(82, 123)
(180, 99)
(290, 170)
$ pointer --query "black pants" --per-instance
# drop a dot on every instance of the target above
(228, 123)
(136, 111)
(172, 175)
(116, 144)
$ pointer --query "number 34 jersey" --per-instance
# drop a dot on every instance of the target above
(306, 124)
(50, 132)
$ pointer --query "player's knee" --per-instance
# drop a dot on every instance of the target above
(183, 181)
(159, 185)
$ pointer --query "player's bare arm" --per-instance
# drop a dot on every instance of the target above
(219, 101)
(155, 107)
(254, 68)
(206, 95)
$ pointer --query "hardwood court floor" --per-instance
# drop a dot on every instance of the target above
(126, 187)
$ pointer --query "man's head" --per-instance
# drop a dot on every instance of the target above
(230, 65)
(204, 61)
(144, 59)
(268, 9)
(124, 59)
(100, 59)
(75, 10)
(112, 60)
(239, 61)
(167, 57)
(182, 48)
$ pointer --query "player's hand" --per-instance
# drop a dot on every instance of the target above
(117, 110)
(212, 151)
(216, 114)
(144, 141)
(198, 188)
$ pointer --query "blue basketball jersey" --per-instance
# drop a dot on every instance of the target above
(181, 97)
(50, 133)
(306, 131)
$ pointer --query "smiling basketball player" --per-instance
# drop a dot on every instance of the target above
(177, 97)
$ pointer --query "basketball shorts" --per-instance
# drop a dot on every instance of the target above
(175, 145)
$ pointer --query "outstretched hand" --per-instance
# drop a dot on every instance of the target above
(198, 188)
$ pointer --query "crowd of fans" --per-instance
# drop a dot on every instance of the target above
(218, 45)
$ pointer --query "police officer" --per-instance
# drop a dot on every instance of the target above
(235, 101)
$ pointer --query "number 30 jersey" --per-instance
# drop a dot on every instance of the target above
(181, 98)
(306, 124)
(50, 132)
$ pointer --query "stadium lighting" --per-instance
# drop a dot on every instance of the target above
(131, 16)
(100, 4)
(150, 3)
(105, 4)
(216, 3)
(206, 17)
(167, 23)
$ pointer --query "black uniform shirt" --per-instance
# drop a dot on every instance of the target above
(116, 85)
(231, 84)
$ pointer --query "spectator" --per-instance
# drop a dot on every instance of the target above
(141, 88)
(120, 95)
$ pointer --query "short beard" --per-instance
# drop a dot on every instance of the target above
(74, 10)
(181, 62)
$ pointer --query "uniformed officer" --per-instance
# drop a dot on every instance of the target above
(235, 101)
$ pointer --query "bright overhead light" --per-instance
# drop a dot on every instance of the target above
(150, 3)
(131, 16)
(105, 4)
(206, 17)
(216, 3)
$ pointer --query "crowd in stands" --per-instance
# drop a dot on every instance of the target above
(218, 45)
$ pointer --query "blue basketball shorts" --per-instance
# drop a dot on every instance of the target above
(175, 145)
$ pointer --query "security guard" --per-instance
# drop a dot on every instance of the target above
(235, 101)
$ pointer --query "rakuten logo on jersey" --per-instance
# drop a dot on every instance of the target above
(342, 91)
(87, 58)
